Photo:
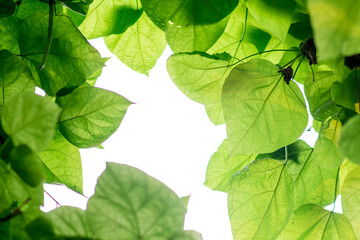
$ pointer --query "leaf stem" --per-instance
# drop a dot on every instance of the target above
(357, 90)
(286, 154)
(336, 187)
(243, 34)
(15, 212)
(298, 66)
(49, 36)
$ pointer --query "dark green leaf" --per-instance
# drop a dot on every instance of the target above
(220, 169)
(350, 139)
(29, 7)
(30, 120)
(274, 16)
(255, 95)
(345, 93)
(261, 199)
(9, 33)
(7, 8)
(163, 13)
(106, 17)
(79, 6)
(71, 59)
(63, 163)
(91, 115)
(140, 46)
(27, 165)
(15, 77)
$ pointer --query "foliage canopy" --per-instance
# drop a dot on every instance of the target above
(244, 60)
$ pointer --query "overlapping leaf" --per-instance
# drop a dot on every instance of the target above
(127, 204)
(140, 46)
(91, 115)
(9, 31)
(260, 109)
(15, 77)
(350, 199)
(81, 6)
(106, 17)
(314, 222)
(220, 169)
(345, 93)
(335, 25)
(198, 75)
(7, 8)
(30, 120)
(350, 139)
(261, 199)
(273, 16)
(62, 163)
(71, 59)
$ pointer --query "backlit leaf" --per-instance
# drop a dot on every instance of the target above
(71, 59)
(106, 17)
(9, 33)
(15, 77)
(314, 222)
(220, 169)
(350, 139)
(140, 46)
(63, 163)
(350, 197)
(261, 199)
(91, 115)
(255, 95)
(30, 119)
(336, 27)
(274, 16)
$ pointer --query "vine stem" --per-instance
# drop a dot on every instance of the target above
(286, 155)
(357, 89)
(336, 183)
(16, 211)
(297, 68)
(49, 36)
(57, 203)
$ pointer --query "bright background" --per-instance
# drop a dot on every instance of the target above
(164, 134)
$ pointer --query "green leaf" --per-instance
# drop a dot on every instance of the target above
(29, 7)
(215, 113)
(75, 17)
(71, 59)
(63, 163)
(106, 17)
(163, 13)
(326, 149)
(345, 93)
(30, 119)
(274, 16)
(140, 46)
(15, 77)
(318, 94)
(350, 196)
(81, 6)
(350, 138)
(261, 199)
(314, 222)
(255, 95)
(141, 205)
(7, 8)
(187, 36)
(335, 24)
(91, 115)
(9, 33)
(27, 165)
(198, 75)
(220, 169)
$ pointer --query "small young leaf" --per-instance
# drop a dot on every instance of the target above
(261, 199)
(30, 120)
(350, 139)
(91, 115)
(255, 95)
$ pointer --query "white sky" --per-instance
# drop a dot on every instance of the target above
(164, 134)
